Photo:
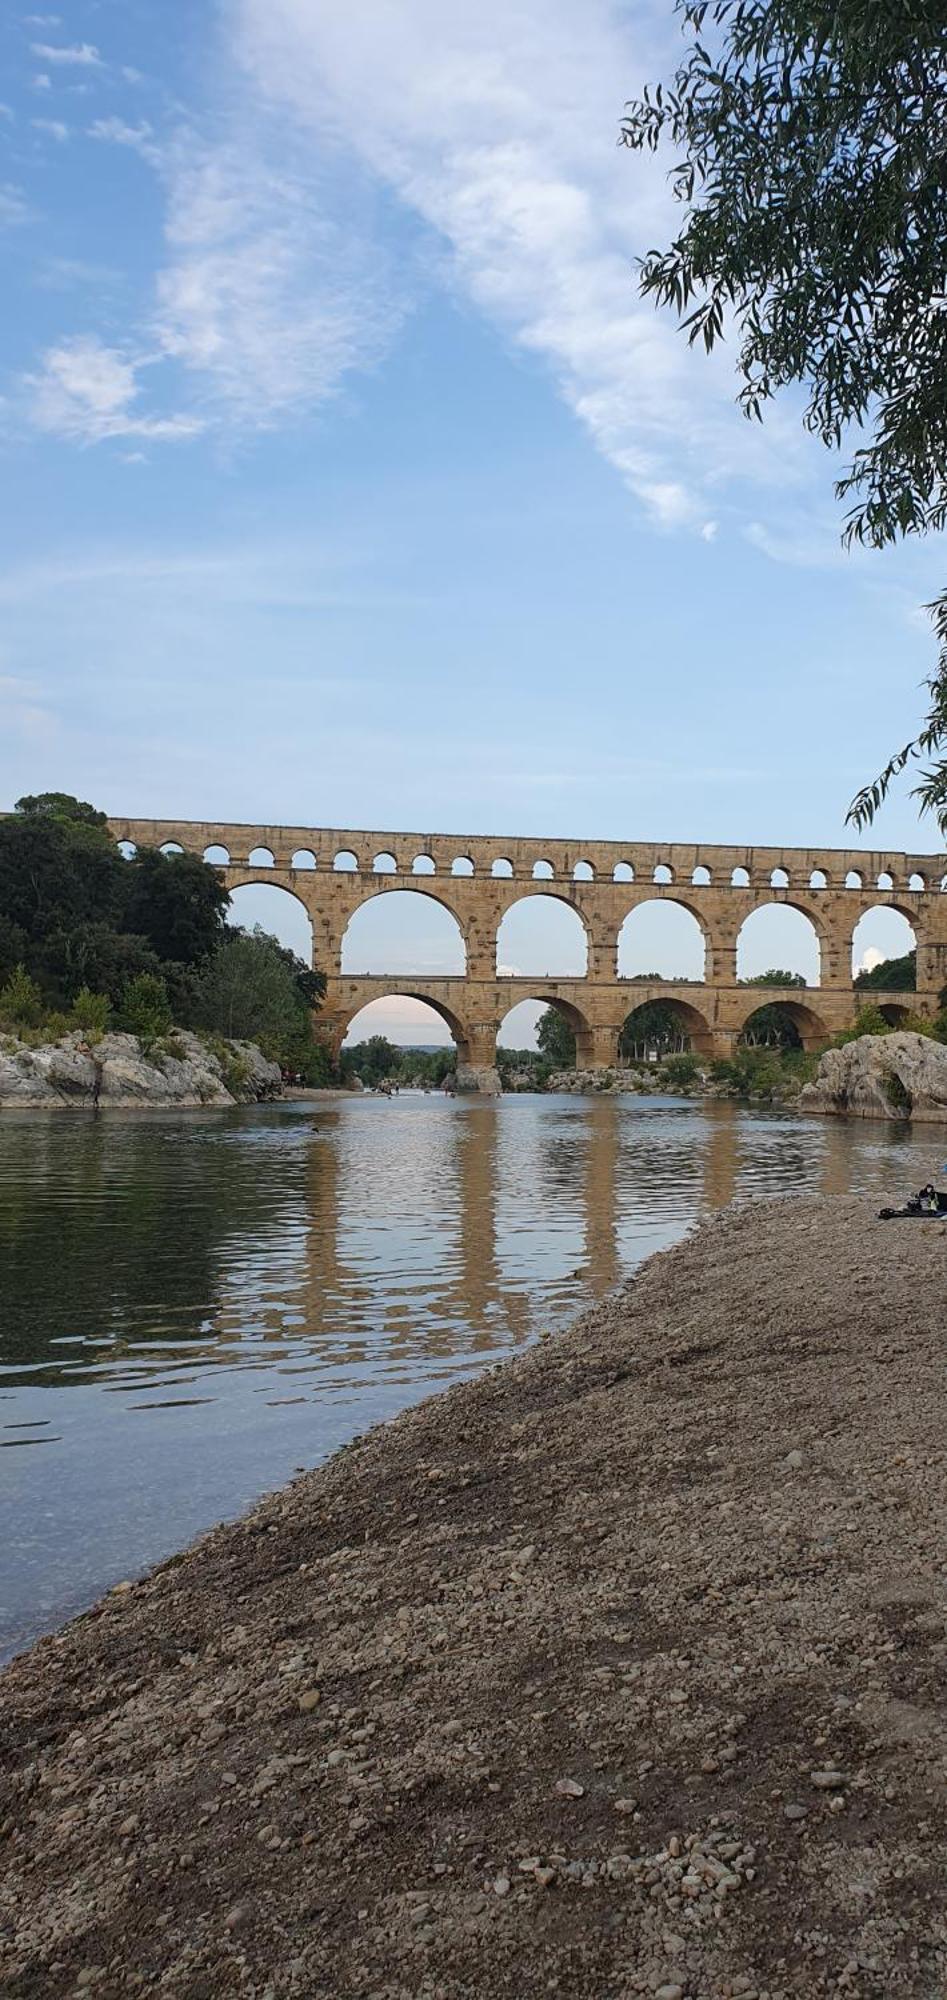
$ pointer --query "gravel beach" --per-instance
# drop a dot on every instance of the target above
(620, 1671)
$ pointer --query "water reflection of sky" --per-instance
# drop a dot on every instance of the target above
(193, 1306)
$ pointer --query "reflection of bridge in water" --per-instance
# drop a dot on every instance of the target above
(333, 872)
(421, 1255)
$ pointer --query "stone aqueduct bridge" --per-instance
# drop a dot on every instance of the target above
(332, 872)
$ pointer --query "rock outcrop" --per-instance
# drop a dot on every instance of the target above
(882, 1076)
(468, 1080)
(181, 1070)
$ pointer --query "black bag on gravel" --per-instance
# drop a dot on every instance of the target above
(927, 1202)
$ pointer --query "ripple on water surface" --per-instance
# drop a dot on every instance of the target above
(194, 1305)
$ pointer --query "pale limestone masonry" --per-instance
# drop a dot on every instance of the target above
(721, 886)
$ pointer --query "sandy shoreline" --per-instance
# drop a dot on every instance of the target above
(618, 1671)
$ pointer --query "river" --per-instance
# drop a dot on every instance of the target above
(195, 1305)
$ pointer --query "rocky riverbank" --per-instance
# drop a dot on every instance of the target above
(181, 1069)
(618, 1672)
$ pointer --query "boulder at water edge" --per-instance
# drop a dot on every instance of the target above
(184, 1071)
(882, 1076)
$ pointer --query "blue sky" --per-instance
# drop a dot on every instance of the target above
(348, 481)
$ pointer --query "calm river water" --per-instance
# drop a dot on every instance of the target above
(193, 1306)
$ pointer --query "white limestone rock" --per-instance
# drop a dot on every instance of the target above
(484, 1081)
(901, 1075)
(188, 1074)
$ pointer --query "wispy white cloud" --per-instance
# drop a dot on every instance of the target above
(495, 123)
(265, 298)
(263, 295)
(53, 127)
(14, 208)
(42, 82)
(81, 55)
(138, 138)
(86, 391)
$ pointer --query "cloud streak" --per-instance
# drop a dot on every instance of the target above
(487, 132)
(495, 124)
(80, 55)
(86, 391)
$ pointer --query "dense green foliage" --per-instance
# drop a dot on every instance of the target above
(76, 914)
(810, 142)
(653, 1030)
(555, 1039)
(871, 1021)
(90, 940)
(893, 975)
(766, 1074)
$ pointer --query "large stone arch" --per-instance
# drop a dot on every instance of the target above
(800, 907)
(272, 885)
(457, 1027)
(640, 910)
(547, 892)
(895, 944)
(578, 1021)
(417, 890)
(694, 1023)
(809, 1023)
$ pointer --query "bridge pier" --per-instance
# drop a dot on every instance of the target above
(596, 1047)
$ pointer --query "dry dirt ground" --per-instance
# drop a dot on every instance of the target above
(619, 1672)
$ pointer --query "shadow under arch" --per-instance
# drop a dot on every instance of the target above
(894, 1013)
(418, 892)
(572, 1015)
(457, 1028)
(808, 1023)
(694, 1028)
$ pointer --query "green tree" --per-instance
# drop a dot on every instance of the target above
(893, 975)
(90, 1011)
(774, 977)
(94, 955)
(145, 1010)
(373, 1060)
(811, 155)
(56, 875)
(555, 1039)
(21, 1000)
(655, 1028)
(246, 990)
(176, 902)
(63, 808)
(772, 1027)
